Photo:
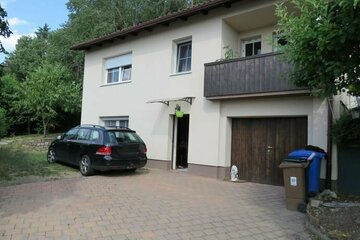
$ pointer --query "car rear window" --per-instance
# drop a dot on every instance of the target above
(123, 137)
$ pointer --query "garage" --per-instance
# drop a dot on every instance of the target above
(260, 144)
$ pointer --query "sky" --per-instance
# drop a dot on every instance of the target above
(26, 16)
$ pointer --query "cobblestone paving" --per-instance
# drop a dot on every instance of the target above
(148, 204)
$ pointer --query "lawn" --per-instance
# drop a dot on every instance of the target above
(22, 158)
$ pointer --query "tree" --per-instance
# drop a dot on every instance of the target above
(323, 44)
(47, 91)
(3, 123)
(5, 32)
(29, 54)
(4, 27)
(9, 87)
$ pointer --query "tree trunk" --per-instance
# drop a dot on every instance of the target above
(28, 127)
(45, 125)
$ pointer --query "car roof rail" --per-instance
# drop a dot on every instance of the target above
(92, 125)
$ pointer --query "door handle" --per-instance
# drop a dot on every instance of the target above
(268, 149)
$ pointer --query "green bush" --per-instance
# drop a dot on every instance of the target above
(346, 130)
(3, 123)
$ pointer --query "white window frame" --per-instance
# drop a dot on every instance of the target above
(118, 121)
(122, 68)
(112, 70)
(252, 40)
(176, 53)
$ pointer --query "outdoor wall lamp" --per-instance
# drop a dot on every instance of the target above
(178, 112)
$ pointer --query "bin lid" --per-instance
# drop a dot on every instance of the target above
(296, 160)
(301, 154)
(293, 165)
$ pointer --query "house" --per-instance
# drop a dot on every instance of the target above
(239, 111)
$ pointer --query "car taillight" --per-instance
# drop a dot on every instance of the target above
(145, 149)
(104, 150)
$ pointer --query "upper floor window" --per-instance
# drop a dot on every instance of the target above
(118, 69)
(113, 75)
(183, 57)
(251, 47)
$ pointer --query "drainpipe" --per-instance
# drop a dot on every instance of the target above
(329, 143)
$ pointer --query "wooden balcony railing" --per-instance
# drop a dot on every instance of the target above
(260, 75)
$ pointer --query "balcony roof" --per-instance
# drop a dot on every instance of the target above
(182, 15)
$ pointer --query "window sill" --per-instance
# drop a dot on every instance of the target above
(116, 83)
(180, 73)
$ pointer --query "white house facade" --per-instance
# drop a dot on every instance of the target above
(239, 111)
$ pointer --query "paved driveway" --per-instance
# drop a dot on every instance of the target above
(149, 204)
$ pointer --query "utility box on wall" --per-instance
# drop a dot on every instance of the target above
(349, 170)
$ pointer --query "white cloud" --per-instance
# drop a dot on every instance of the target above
(4, 3)
(10, 42)
(16, 21)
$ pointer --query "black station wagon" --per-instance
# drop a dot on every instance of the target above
(93, 147)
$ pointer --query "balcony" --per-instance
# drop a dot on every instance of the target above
(262, 75)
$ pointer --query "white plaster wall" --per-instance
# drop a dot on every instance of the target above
(315, 109)
(230, 38)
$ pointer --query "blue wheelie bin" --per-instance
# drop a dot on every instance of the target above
(313, 170)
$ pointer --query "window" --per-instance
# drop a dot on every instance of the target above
(112, 75)
(126, 73)
(118, 69)
(83, 134)
(95, 136)
(116, 122)
(183, 57)
(123, 137)
(71, 134)
(251, 47)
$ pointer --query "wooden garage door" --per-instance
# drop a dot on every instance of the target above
(260, 144)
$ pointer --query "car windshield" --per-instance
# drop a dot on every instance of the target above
(123, 137)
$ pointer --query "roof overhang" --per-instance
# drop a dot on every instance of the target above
(167, 101)
(182, 15)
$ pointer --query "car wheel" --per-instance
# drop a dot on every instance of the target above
(85, 166)
(51, 156)
(131, 170)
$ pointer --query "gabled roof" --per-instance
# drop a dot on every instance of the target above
(183, 15)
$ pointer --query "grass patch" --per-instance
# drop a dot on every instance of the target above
(18, 159)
